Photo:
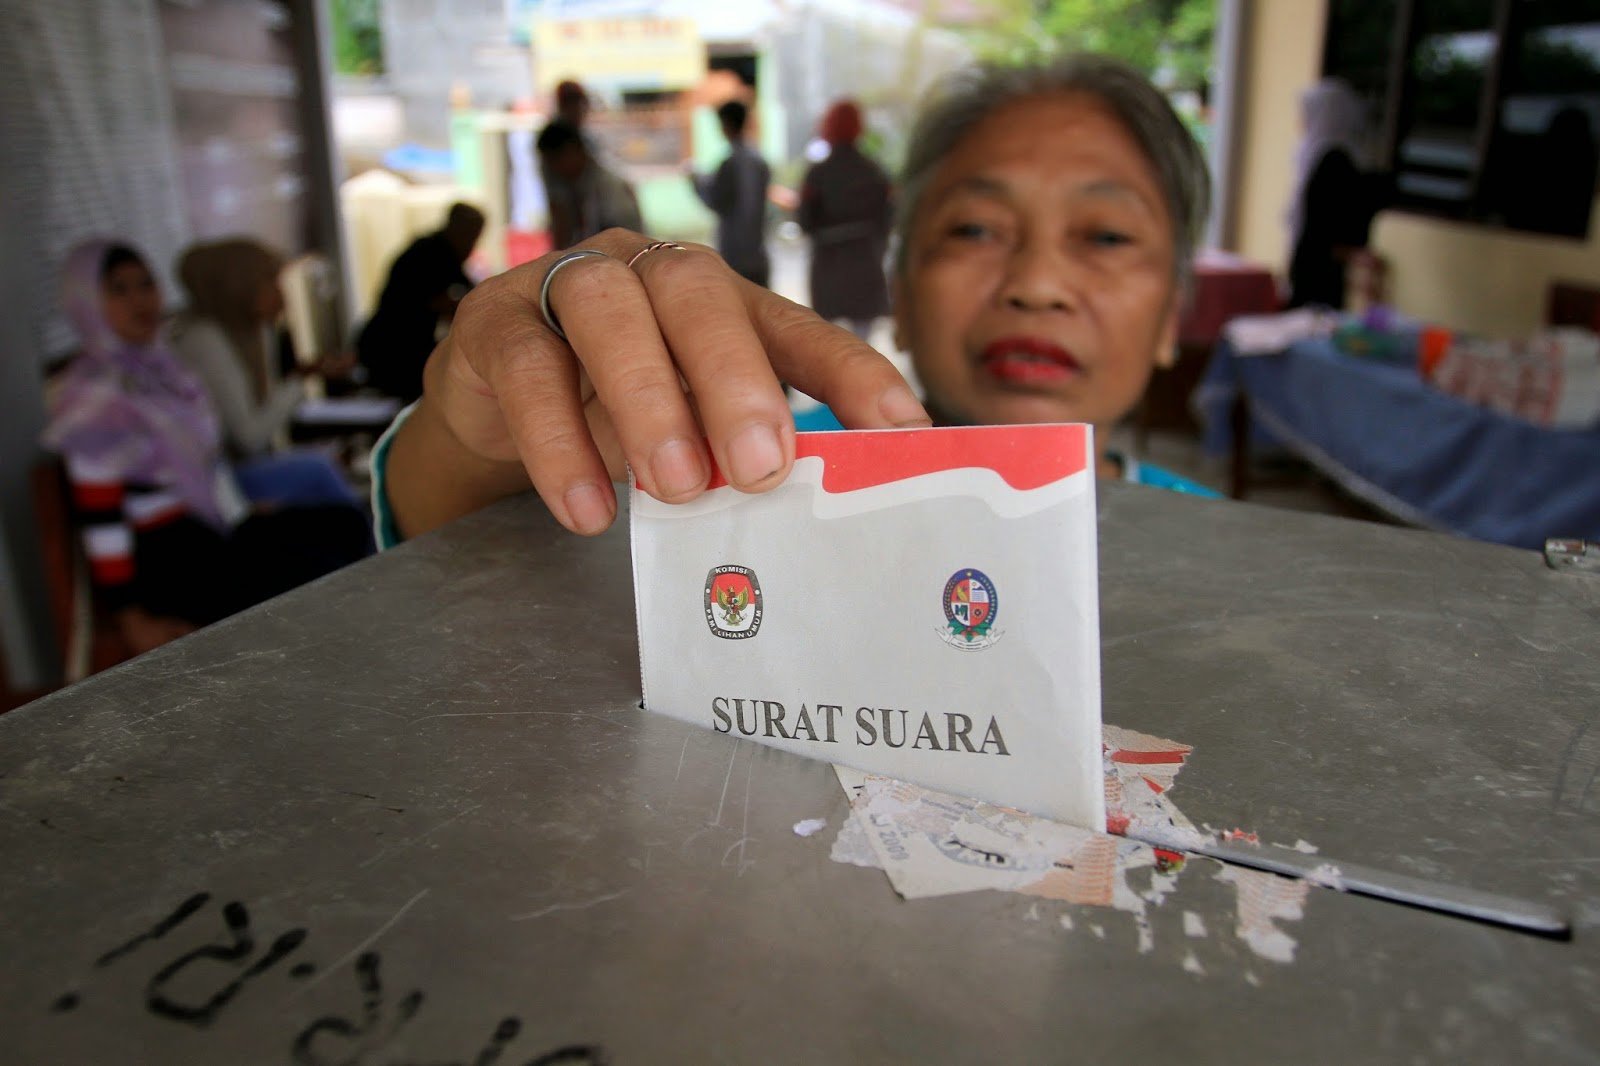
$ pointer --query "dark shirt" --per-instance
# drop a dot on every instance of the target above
(396, 342)
(1336, 215)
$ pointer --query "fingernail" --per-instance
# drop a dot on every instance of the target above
(754, 455)
(677, 468)
(588, 508)
(901, 408)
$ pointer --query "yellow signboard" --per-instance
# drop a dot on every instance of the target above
(639, 53)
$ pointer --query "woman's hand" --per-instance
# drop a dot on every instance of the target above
(661, 359)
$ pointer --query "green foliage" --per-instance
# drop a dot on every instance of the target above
(1170, 40)
(357, 37)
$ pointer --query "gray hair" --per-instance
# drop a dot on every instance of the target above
(972, 95)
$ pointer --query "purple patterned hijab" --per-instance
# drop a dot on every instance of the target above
(132, 412)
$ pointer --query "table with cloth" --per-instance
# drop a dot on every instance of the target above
(1225, 286)
(1389, 438)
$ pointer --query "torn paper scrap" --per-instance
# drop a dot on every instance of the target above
(1140, 770)
(931, 844)
(1264, 899)
(810, 826)
(920, 604)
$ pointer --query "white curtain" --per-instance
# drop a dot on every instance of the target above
(90, 147)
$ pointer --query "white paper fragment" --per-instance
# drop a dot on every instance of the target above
(920, 604)
(930, 844)
(810, 826)
(1192, 964)
(852, 848)
(1327, 875)
(1264, 899)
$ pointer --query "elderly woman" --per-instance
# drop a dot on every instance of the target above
(1048, 217)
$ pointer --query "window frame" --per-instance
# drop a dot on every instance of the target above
(1508, 27)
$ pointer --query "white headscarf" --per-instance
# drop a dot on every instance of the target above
(1333, 117)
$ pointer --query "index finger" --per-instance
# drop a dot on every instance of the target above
(863, 389)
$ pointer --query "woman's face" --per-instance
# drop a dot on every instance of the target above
(269, 300)
(132, 303)
(1039, 283)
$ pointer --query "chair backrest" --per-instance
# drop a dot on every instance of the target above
(1573, 304)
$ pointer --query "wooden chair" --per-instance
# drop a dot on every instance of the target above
(1573, 304)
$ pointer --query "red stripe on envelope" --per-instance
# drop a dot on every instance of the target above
(1146, 758)
(1025, 457)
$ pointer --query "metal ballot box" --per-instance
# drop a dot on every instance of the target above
(413, 813)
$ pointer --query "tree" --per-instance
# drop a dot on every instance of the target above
(357, 37)
(1170, 40)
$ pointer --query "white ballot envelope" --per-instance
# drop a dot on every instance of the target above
(920, 604)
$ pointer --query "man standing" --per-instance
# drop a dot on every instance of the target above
(585, 197)
(737, 192)
(424, 286)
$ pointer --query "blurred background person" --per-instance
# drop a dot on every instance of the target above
(229, 337)
(172, 542)
(424, 286)
(737, 193)
(845, 207)
(573, 105)
(1333, 203)
(585, 196)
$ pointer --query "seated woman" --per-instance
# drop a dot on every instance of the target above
(226, 336)
(1048, 216)
(172, 543)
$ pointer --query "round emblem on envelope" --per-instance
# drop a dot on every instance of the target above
(733, 602)
(971, 607)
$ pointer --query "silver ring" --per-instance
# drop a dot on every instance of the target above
(544, 289)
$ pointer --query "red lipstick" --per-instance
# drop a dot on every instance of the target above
(1029, 361)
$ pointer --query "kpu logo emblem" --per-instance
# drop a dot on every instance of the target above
(971, 606)
(733, 602)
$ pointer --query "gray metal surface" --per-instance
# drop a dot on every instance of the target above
(426, 789)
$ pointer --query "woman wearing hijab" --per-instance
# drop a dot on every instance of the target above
(844, 206)
(227, 337)
(171, 541)
(1332, 206)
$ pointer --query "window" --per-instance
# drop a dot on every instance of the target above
(1482, 110)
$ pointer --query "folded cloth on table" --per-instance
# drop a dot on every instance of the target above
(1266, 334)
(1552, 379)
